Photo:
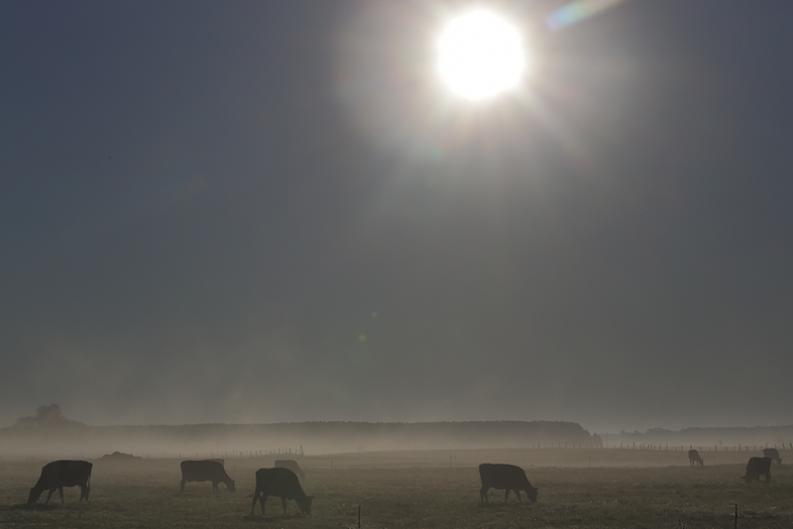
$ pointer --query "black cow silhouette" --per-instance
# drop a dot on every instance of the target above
(507, 477)
(281, 483)
(206, 470)
(773, 455)
(694, 458)
(59, 474)
(292, 465)
(756, 467)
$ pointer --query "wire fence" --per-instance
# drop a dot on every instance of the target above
(702, 447)
(734, 518)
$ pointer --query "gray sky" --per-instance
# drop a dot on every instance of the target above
(269, 211)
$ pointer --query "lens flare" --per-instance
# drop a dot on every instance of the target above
(575, 12)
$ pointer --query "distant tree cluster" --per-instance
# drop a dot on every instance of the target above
(50, 416)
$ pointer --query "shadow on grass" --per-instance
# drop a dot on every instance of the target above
(197, 494)
(260, 518)
(502, 505)
(29, 507)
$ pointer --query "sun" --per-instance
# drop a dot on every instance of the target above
(481, 55)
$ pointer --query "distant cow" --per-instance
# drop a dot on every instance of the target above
(773, 455)
(292, 465)
(507, 477)
(756, 467)
(206, 470)
(281, 483)
(59, 474)
(694, 458)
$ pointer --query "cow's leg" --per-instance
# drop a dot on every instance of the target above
(517, 493)
(253, 503)
(49, 495)
(60, 492)
(506, 495)
(214, 487)
(87, 490)
(82, 492)
(283, 504)
(181, 487)
(483, 494)
(262, 501)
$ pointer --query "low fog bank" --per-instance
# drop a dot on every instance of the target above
(288, 438)
(50, 433)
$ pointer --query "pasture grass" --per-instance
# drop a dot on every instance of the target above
(420, 490)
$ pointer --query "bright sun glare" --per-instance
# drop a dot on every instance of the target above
(481, 55)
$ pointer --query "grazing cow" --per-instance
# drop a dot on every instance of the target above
(206, 470)
(292, 465)
(59, 474)
(281, 483)
(694, 458)
(773, 455)
(756, 467)
(507, 477)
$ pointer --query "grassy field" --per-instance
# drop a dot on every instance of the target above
(578, 489)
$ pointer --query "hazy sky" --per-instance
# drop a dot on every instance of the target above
(253, 210)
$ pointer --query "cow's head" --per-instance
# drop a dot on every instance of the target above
(305, 504)
(532, 493)
(33, 497)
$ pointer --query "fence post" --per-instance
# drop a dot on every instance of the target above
(359, 516)
(735, 526)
